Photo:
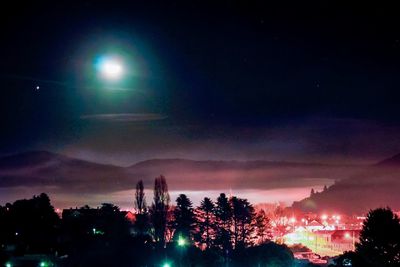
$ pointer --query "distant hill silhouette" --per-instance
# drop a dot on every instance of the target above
(392, 161)
(43, 168)
(375, 186)
(357, 188)
(183, 174)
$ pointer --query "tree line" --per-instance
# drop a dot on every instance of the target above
(216, 233)
(226, 224)
(224, 232)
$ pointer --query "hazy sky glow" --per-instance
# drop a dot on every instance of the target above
(124, 199)
(236, 81)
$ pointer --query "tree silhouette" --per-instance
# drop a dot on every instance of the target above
(111, 221)
(312, 193)
(263, 227)
(380, 239)
(142, 221)
(206, 222)
(102, 236)
(159, 209)
(237, 213)
(184, 219)
(269, 254)
(223, 215)
(30, 224)
(243, 216)
(140, 200)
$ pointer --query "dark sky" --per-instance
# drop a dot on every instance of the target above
(287, 81)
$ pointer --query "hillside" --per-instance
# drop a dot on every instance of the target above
(392, 161)
(61, 173)
(375, 186)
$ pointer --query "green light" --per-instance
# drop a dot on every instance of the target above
(44, 264)
(8, 264)
(166, 265)
(97, 232)
(181, 241)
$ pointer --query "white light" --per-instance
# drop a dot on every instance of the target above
(111, 69)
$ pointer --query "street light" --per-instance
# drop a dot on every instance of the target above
(44, 264)
(181, 241)
(348, 236)
(166, 264)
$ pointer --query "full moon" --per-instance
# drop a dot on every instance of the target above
(111, 69)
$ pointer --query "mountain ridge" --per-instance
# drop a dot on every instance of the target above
(63, 175)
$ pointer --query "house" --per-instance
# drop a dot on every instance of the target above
(314, 226)
(130, 216)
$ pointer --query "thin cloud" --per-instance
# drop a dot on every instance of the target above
(125, 117)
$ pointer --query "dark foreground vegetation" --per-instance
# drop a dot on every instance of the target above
(227, 232)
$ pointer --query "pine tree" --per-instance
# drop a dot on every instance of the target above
(263, 227)
(206, 222)
(312, 193)
(243, 217)
(223, 215)
(184, 219)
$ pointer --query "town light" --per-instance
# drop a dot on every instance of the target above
(324, 217)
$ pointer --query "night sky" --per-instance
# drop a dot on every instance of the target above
(298, 82)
